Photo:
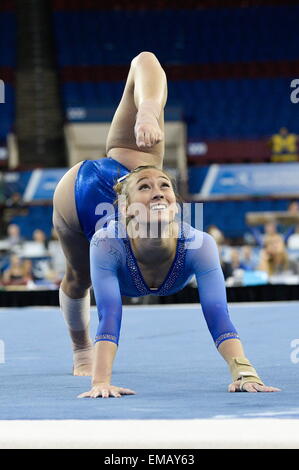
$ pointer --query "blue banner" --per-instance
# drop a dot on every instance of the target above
(265, 179)
(42, 184)
(33, 185)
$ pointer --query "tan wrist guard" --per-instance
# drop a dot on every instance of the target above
(241, 369)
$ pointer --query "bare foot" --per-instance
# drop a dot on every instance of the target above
(147, 129)
(83, 359)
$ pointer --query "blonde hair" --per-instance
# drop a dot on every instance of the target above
(121, 186)
(273, 264)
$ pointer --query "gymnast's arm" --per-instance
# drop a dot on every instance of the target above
(103, 263)
(212, 293)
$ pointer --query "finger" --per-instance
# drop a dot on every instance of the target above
(232, 388)
(236, 386)
(257, 387)
(249, 387)
(261, 388)
(126, 391)
(115, 394)
(84, 395)
(252, 386)
(105, 393)
(269, 389)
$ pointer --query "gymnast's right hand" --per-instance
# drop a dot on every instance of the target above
(106, 390)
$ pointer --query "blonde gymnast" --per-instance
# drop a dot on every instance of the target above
(117, 264)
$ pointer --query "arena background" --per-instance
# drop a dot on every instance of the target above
(231, 68)
(233, 74)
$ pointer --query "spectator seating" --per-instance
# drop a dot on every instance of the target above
(229, 84)
(213, 109)
(223, 35)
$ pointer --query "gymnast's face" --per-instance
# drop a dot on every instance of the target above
(151, 190)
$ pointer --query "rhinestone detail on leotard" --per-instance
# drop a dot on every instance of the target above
(173, 274)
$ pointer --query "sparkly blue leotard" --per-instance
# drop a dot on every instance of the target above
(115, 271)
(94, 193)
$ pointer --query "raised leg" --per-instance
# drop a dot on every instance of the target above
(136, 135)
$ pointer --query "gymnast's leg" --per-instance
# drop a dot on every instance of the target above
(135, 138)
(136, 135)
(74, 290)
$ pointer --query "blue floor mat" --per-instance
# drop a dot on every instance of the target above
(166, 355)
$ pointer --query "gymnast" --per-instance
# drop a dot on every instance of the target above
(140, 252)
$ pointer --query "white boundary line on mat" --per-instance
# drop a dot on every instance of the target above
(151, 434)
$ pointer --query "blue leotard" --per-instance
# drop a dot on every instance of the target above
(93, 188)
(114, 269)
(115, 272)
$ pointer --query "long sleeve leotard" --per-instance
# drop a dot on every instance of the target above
(115, 272)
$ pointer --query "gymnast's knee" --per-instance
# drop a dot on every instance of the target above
(76, 283)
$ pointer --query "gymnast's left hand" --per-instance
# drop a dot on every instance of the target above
(106, 390)
(251, 387)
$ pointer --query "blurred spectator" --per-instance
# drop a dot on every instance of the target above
(14, 207)
(236, 272)
(41, 270)
(274, 258)
(14, 237)
(284, 146)
(235, 259)
(14, 201)
(229, 260)
(19, 271)
(293, 207)
(226, 268)
(27, 266)
(293, 240)
(270, 228)
(216, 233)
(38, 246)
(219, 238)
(248, 261)
(39, 237)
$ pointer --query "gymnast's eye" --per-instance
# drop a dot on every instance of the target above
(147, 186)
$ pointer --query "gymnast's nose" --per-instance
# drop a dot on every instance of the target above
(157, 196)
